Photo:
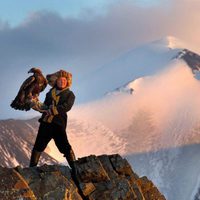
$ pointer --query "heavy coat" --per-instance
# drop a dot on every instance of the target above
(60, 102)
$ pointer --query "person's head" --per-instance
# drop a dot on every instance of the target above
(52, 78)
(61, 82)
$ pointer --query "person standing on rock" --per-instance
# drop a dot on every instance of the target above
(59, 100)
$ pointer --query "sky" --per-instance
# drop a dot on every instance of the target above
(17, 11)
(14, 12)
(83, 35)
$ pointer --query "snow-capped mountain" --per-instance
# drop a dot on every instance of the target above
(156, 127)
(144, 60)
(159, 121)
(16, 142)
(159, 126)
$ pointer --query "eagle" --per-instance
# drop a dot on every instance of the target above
(30, 90)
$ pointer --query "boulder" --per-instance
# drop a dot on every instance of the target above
(104, 177)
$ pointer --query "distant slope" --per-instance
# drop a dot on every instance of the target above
(143, 61)
(16, 142)
(86, 137)
(159, 126)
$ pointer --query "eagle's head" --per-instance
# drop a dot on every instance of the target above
(35, 70)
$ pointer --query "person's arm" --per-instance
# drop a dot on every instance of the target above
(65, 107)
(39, 106)
(42, 106)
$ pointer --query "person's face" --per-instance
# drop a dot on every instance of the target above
(61, 82)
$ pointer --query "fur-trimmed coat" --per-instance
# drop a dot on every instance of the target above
(59, 102)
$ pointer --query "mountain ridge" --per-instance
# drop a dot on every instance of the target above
(144, 60)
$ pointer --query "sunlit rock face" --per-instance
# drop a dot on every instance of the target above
(108, 177)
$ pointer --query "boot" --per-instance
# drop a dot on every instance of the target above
(71, 158)
(34, 158)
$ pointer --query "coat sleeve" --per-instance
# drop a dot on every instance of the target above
(42, 106)
(66, 106)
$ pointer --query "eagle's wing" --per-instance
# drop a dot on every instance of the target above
(44, 85)
(27, 82)
(19, 103)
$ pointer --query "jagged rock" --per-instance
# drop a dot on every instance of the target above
(90, 169)
(13, 186)
(149, 191)
(114, 179)
(51, 182)
(112, 182)
(97, 178)
(87, 188)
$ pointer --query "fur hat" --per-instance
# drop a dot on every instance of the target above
(67, 75)
(62, 73)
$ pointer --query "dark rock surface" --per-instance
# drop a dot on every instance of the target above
(13, 186)
(191, 58)
(105, 177)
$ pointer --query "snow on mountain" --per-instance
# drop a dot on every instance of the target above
(132, 86)
(158, 122)
(159, 127)
(156, 127)
(142, 61)
(170, 42)
(16, 143)
(88, 136)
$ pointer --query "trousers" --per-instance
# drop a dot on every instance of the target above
(48, 131)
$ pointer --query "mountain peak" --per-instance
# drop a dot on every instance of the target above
(170, 42)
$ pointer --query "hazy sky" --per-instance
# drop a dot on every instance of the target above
(83, 35)
(14, 12)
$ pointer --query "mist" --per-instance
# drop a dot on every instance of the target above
(169, 100)
(157, 128)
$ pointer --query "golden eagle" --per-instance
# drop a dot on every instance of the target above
(29, 91)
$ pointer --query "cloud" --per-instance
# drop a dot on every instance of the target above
(167, 101)
(45, 37)
(85, 43)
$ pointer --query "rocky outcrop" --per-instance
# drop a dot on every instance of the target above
(191, 58)
(105, 177)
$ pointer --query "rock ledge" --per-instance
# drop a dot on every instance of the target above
(105, 177)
